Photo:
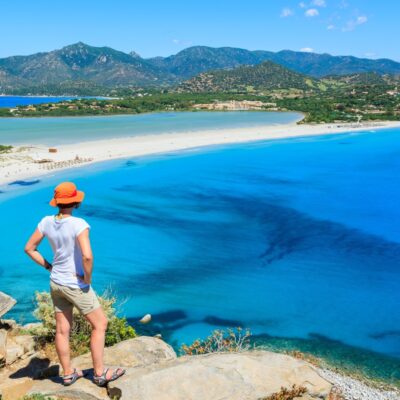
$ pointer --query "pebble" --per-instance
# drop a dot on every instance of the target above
(353, 389)
(146, 319)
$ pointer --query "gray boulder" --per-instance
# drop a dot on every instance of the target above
(6, 303)
(83, 389)
(3, 346)
(138, 352)
(241, 376)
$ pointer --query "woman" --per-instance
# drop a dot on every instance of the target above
(70, 279)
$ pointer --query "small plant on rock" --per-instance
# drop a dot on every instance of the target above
(36, 397)
(287, 394)
(230, 341)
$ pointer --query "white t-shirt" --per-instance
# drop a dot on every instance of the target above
(62, 235)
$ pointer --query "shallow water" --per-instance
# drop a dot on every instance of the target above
(298, 240)
(60, 130)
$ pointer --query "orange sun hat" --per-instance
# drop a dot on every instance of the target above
(66, 193)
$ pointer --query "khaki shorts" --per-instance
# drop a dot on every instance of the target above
(65, 298)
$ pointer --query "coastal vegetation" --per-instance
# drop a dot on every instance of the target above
(231, 341)
(5, 149)
(295, 392)
(344, 99)
(117, 330)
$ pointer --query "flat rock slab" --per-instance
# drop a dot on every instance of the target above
(244, 376)
(83, 389)
(137, 352)
(6, 303)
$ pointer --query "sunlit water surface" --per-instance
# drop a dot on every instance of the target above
(298, 240)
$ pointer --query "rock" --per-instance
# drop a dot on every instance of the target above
(13, 353)
(17, 378)
(6, 303)
(83, 389)
(146, 319)
(135, 352)
(12, 389)
(242, 376)
(3, 346)
(138, 352)
(27, 342)
(9, 324)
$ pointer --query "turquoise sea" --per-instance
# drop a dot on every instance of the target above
(298, 240)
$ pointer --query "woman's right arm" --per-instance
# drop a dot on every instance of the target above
(31, 248)
(87, 255)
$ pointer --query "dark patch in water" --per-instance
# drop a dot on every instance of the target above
(169, 316)
(130, 163)
(25, 183)
(217, 321)
(385, 334)
(287, 232)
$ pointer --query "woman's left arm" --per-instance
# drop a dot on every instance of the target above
(31, 248)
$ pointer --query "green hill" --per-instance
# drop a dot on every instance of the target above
(97, 66)
(266, 76)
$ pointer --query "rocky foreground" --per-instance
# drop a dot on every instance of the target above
(155, 372)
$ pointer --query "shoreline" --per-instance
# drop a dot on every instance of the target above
(34, 161)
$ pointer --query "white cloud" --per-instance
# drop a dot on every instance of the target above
(307, 50)
(176, 41)
(312, 12)
(352, 24)
(361, 20)
(330, 27)
(302, 5)
(286, 12)
(319, 3)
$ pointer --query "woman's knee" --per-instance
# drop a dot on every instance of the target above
(63, 328)
(98, 320)
(102, 323)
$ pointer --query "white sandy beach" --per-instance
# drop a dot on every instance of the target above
(23, 162)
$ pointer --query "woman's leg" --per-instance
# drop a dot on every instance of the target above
(63, 329)
(99, 322)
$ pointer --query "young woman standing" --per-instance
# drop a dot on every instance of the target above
(70, 281)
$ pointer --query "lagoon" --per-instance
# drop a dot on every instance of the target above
(60, 130)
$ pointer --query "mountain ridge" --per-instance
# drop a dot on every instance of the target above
(82, 65)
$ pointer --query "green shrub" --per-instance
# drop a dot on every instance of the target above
(36, 397)
(5, 149)
(287, 394)
(117, 330)
(231, 341)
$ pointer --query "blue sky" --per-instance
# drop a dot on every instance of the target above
(364, 28)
